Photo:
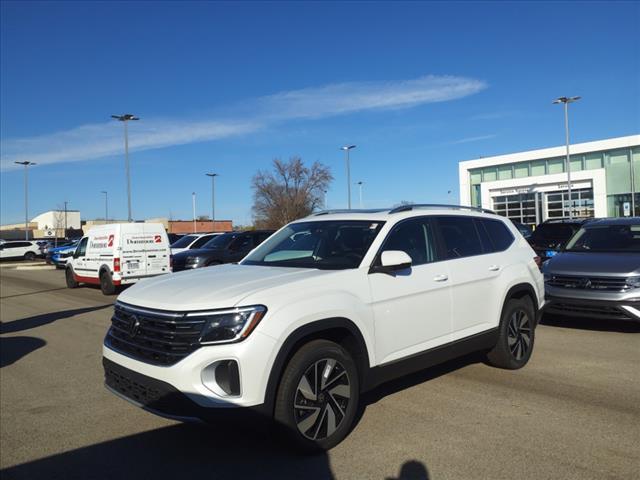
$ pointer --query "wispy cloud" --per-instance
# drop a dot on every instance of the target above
(492, 115)
(474, 139)
(97, 140)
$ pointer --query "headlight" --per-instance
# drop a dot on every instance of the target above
(224, 326)
(192, 261)
(633, 282)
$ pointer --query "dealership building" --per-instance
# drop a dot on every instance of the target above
(531, 187)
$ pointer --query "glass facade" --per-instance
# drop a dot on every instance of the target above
(622, 172)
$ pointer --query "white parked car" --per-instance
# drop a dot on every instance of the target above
(26, 250)
(328, 307)
(119, 254)
(191, 242)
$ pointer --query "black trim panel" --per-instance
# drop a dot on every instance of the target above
(420, 361)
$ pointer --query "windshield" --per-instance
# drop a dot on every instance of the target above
(184, 242)
(606, 238)
(332, 245)
(219, 241)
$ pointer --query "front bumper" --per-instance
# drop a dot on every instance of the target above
(590, 308)
(190, 379)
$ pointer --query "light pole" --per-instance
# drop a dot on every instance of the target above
(106, 206)
(360, 187)
(125, 118)
(566, 101)
(26, 196)
(193, 204)
(65, 218)
(325, 200)
(346, 148)
(213, 198)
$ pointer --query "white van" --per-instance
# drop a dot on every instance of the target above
(119, 254)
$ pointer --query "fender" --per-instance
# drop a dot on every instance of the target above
(527, 288)
(307, 330)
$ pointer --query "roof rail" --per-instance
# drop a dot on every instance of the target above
(409, 207)
(344, 210)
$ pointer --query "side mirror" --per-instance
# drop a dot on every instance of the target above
(392, 261)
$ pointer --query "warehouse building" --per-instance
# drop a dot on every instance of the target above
(531, 187)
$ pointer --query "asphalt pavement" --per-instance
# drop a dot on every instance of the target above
(572, 413)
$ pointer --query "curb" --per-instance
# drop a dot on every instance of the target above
(35, 267)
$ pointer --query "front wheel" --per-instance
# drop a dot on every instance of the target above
(69, 277)
(106, 284)
(515, 336)
(318, 396)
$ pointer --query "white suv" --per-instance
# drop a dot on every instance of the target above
(328, 307)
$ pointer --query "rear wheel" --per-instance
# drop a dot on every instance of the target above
(71, 281)
(318, 396)
(30, 256)
(516, 335)
(106, 283)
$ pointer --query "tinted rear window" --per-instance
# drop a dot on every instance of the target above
(500, 235)
(553, 231)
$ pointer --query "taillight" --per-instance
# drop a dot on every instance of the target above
(116, 264)
(171, 263)
(538, 260)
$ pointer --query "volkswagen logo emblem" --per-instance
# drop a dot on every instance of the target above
(134, 326)
(585, 283)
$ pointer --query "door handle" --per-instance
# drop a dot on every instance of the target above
(494, 268)
(440, 278)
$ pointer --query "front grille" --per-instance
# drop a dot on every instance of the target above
(586, 310)
(608, 284)
(152, 336)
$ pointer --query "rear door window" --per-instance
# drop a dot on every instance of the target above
(460, 237)
(201, 241)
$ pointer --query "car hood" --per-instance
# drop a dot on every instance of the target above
(222, 286)
(591, 263)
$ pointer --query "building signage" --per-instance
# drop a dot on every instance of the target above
(626, 209)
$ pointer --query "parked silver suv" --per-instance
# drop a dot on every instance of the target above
(597, 275)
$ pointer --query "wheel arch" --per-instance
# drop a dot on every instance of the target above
(340, 330)
(521, 290)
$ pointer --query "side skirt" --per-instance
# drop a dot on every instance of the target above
(420, 361)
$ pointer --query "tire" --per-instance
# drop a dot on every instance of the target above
(71, 281)
(317, 417)
(516, 336)
(106, 283)
(30, 256)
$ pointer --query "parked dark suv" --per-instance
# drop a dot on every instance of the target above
(226, 248)
(551, 236)
(598, 273)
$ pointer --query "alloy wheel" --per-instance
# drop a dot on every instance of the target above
(321, 399)
(519, 334)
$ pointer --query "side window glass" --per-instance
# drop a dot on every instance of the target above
(415, 238)
(460, 237)
(242, 242)
(487, 245)
(201, 241)
(500, 235)
(81, 250)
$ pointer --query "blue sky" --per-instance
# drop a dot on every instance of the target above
(227, 87)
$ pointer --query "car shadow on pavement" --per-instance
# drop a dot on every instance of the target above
(46, 318)
(592, 324)
(13, 349)
(33, 293)
(192, 451)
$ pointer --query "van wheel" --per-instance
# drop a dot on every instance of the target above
(516, 335)
(318, 396)
(71, 281)
(30, 256)
(106, 284)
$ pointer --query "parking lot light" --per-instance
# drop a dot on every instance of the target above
(125, 119)
(213, 198)
(26, 164)
(346, 149)
(566, 101)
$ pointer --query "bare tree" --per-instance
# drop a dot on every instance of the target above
(58, 224)
(290, 191)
